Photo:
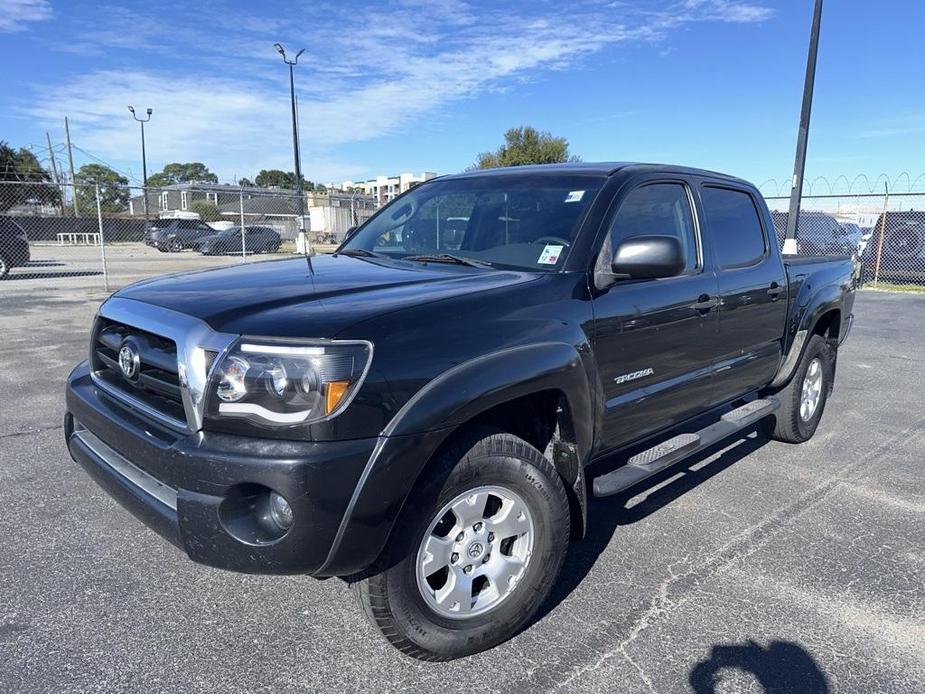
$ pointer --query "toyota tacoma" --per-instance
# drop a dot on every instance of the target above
(420, 412)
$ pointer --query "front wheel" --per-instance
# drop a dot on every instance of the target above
(175, 245)
(803, 400)
(475, 552)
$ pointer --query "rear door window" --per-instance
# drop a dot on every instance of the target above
(735, 225)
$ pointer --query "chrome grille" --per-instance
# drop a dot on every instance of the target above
(156, 385)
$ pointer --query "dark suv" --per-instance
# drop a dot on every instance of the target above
(255, 240)
(173, 235)
(14, 246)
(899, 241)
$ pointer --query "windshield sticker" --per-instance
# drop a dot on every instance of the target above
(575, 196)
(550, 255)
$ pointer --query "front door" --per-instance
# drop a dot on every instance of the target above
(655, 340)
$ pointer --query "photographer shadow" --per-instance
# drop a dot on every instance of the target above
(781, 668)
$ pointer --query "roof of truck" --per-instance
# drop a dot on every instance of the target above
(604, 168)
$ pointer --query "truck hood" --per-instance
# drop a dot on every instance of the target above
(284, 298)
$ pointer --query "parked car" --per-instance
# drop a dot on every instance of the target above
(173, 235)
(256, 240)
(429, 425)
(819, 233)
(902, 251)
(851, 239)
(14, 246)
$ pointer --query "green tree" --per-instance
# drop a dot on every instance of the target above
(525, 145)
(191, 172)
(26, 179)
(275, 178)
(114, 192)
(246, 183)
(206, 210)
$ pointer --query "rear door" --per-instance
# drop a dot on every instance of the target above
(752, 289)
(655, 340)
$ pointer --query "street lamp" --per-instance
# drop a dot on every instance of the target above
(144, 162)
(300, 204)
(799, 165)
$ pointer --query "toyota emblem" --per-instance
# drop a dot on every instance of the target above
(129, 361)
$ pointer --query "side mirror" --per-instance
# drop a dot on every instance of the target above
(647, 257)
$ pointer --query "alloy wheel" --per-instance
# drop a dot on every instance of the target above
(475, 552)
(811, 393)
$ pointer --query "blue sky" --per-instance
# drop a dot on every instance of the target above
(425, 85)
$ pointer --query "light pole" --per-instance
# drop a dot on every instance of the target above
(144, 161)
(301, 244)
(799, 165)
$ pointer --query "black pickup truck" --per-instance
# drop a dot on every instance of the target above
(420, 412)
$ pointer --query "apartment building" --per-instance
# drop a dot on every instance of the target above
(386, 188)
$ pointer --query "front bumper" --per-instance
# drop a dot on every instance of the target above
(189, 488)
(17, 252)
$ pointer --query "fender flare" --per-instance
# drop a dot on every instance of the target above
(810, 307)
(422, 425)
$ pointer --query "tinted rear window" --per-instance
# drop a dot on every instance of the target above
(735, 226)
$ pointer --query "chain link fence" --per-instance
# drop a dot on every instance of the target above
(886, 232)
(104, 236)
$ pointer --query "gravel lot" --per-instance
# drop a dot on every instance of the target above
(762, 567)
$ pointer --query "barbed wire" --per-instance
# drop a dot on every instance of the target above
(861, 184)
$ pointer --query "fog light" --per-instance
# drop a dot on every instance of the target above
(280, 511)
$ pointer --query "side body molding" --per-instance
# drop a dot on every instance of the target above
(430, 416)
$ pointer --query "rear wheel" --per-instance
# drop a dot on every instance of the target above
(475, 552)
(174, 245)
(803, 400)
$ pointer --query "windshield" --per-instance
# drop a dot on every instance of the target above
(522, 221)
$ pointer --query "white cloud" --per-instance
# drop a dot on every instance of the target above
(729, 11)
(364, 76)
(14, 14)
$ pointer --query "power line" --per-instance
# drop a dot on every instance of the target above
(105, 163)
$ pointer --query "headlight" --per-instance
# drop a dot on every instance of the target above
(283, 383)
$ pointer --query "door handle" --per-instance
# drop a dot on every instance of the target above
(704, 303)
(774, 291)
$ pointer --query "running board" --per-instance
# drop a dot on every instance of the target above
(667, 453)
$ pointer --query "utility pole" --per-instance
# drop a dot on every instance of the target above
(54, 170)
(302, 241)
(70, 163)
(799, 165)
(51, 156)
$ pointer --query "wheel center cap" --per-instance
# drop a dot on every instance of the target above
(475, 550)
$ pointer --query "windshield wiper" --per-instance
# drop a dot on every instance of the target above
(361, 253)
(447, 258)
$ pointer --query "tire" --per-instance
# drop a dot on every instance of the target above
(496, 467)
(174, 245)
(797, 419)
(4, 267)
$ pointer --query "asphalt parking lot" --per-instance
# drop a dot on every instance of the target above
(80, 268)
(763, 567)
